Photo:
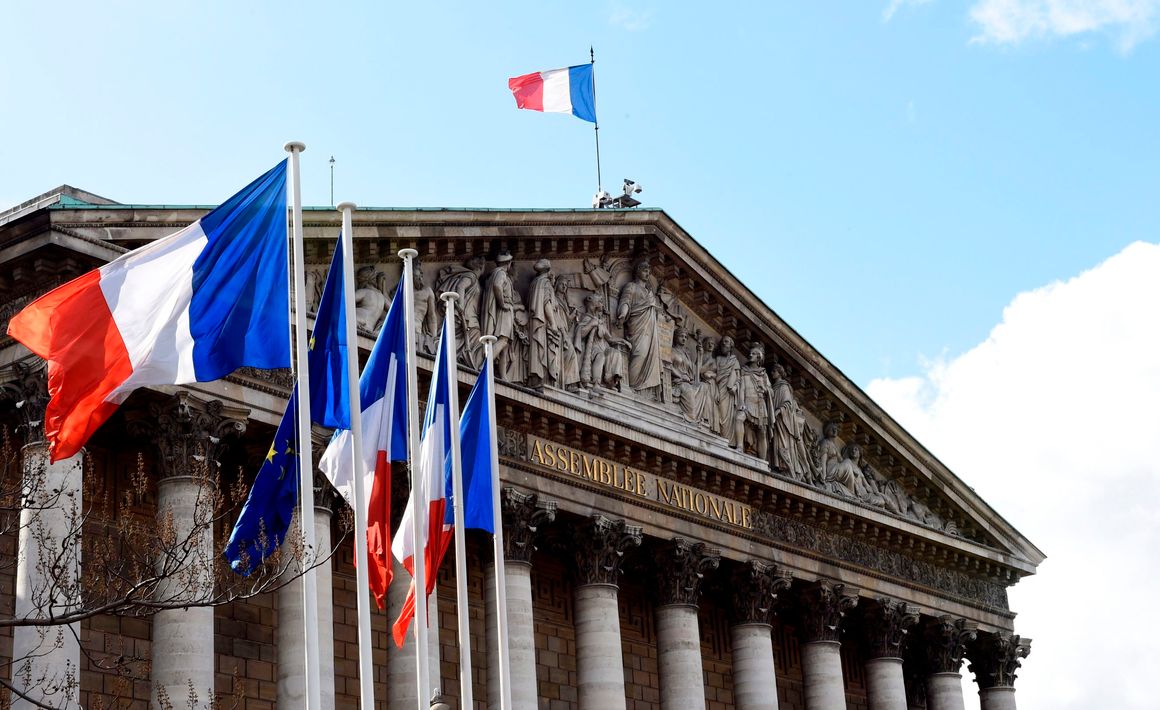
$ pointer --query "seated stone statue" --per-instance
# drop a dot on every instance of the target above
(847, 478)
(693, 395)
(601, 361)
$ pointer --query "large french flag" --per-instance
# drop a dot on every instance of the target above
(383, 397)
(568, 90)
(191, 307)
(434, 487)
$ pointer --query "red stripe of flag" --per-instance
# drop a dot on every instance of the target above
(528, 90)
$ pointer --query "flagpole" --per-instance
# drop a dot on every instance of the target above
(462, 603)
(305, 457)
(359, 466)
(505, 673)
(595, 123)
(419, 507)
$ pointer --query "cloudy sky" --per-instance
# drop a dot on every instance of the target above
(954, 200)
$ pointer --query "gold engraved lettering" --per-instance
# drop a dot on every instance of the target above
(640, 481)
(663, 493)
(602, 471)
(745, 513)
(538, 453)
(715, 506)
(700, 502)
(590, 467)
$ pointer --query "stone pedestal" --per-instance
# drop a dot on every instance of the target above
(944, 691)
(885, 687)
(822, 681)
(600, 664)
(47, 659)
(997, 698)
(754, 674)
(291, 625)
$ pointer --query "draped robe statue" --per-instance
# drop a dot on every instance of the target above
(727, 378)
(694, 396)
(637, 314)
(464, 280)
(542, 366)
(755, 404)
(789, 422)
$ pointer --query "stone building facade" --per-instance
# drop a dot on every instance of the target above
(700, 511)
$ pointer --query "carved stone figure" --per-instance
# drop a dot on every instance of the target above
(542, 312)
(315, 278)
(464, 280)
(692, 395)
(846, 478)
(708, 367)
(828, 453)
(499, 317)
(637, 315)
(426, 315)
(370, 300)
(561, 342)
(754, 425)
(894, 498)
(726, 378)
(600, 362)
(789, 446)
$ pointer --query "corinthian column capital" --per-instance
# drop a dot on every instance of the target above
(995, 657)
(886, 624)
(188, 432)
(524, 514)
(756, 585)
(27, 389)
(681, 566)
(944, 641)
(600, 546)
(821, 606)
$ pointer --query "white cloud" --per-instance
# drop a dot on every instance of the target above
(1054, 419)
(896, 5)
(630, 17)
(1012, 21)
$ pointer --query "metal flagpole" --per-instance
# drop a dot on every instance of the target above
(465, 699)
(596, 123)
(359, 467)
(419, 507)
(505, 672)
(305, 457)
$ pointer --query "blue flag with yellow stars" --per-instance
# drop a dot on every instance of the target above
(265, 517)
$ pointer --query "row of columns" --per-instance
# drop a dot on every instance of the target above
(187, 432)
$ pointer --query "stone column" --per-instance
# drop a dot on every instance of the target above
(822, 605)
(944, 643)
(187, 432)
(681, 565)
(523, 516)
(46, 659)
(995, 657)
(755, 585)
(885, 624)
(291, 624)
(600, 547)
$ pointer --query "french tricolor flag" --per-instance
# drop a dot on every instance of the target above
(570, 90)
(191, 307)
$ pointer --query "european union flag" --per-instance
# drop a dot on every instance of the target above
(265, 517)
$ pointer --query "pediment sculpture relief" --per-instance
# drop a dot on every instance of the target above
(605, 328)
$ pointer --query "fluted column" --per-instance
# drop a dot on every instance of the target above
(600, 546)
(756, 585)
(995, 657)
(886, 623)
(291, 623)
(944, 641)
(46, 659)
(681, 565)
(822, 605)
(523, 517)
(187, 432)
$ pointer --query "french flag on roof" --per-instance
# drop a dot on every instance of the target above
(570, 90)
(191, 307)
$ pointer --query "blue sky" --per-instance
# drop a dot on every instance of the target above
(942, 196)
(886, 185)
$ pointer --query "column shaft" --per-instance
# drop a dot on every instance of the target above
(183, 638)
(291, 626)
(679, 658)
(822, 676)
(46, 660)
(885, 686)
(997, 698)
(944, 691)
(521, 637)
(600, 663)
(754, 674)
(401, 661)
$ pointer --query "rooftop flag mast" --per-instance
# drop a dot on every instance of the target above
(596, 124)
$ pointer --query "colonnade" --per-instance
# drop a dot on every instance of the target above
(911, 663)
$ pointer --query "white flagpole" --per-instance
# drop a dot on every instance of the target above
(505, 671)
(362, 582)
(418, 506)
(462, 603)
(305, 457)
